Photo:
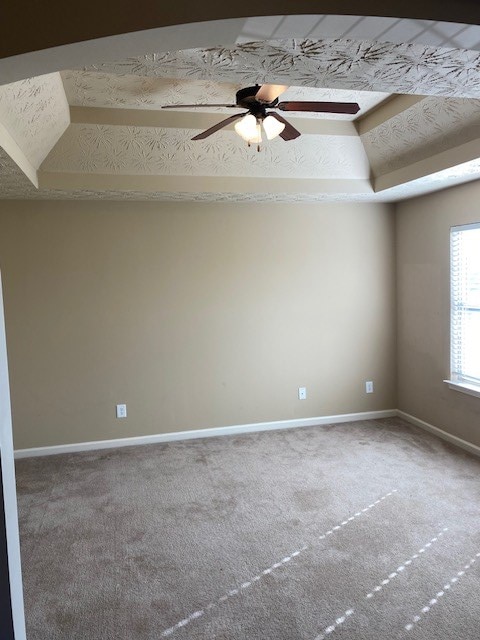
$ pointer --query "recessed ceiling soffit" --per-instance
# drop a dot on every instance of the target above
(15, 185)
(35, 114)
(427, 128)
(395, 143)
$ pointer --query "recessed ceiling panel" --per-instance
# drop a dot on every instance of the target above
(91, 89)
(157, 151)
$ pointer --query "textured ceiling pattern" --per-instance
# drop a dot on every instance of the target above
(159, 151)
(35, 112)
(344, 64)
(90, 89)
(13, 182)
(400, 136)
(15, 186)
(425, 129)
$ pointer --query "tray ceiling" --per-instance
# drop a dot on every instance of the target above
(94, 89)
(100, 132)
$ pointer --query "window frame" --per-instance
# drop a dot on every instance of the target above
(456, 381)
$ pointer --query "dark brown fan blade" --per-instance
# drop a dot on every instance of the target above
(289, 133)
(219, 125)
(269, 92)
(190, 106)
(320, 107)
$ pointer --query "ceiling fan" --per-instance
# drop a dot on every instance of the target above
(258, 101)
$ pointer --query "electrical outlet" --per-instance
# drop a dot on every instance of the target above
(121, 410)
(369, 386)
(302, 393)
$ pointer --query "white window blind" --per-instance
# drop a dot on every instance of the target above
(465, 304)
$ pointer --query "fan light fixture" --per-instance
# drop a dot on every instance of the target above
(256, 100)
(250, 130)
(273, 127)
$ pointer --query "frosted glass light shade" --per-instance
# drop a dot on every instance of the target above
(247, 128)
(272, 127)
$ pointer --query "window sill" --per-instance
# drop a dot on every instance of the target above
(463, 387)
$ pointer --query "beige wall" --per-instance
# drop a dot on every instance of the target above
(195, 315)
(423, 286)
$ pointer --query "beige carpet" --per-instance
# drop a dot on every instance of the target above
(367, 530)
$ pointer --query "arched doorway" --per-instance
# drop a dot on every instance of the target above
(175, 36)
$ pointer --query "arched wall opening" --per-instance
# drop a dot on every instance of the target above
(91, 35)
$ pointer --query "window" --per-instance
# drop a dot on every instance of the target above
(465, 308)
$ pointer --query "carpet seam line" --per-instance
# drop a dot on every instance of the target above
(331, 628)
(233, 592)
(433, 601)
(401, 568)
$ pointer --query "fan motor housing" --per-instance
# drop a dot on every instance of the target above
(246, 99)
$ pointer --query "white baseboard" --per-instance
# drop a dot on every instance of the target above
(245, 428)
(202, 433)
(459, 442)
